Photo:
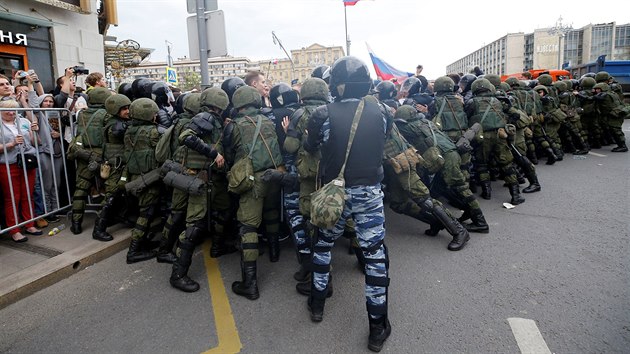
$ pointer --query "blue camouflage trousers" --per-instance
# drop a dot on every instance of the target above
(364, 205)
(292, 214)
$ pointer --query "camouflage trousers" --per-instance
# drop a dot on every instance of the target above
(85, 181)
(364, 205)
(292, 213)
(493, 147)
(147, 205)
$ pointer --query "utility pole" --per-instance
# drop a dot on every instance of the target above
(169, 58)
(203, 43)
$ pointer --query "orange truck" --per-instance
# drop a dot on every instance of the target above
(555, 74)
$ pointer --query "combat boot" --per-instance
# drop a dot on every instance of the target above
(76, 227)
(516, 195)
(454, 227)
(583, 149)
(316, 302)
(220, 247)
(304, 273)
(486, 190)
(621, 146)
(478, 224)
(551, 157)
(165, 251)
(136, 253)
(274, 247)
(534, 186)
(531, 155)
(380, 329)
(179, 276)
(248, 287)
(100, 230)
(559, 154)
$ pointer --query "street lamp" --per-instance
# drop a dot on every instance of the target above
(560, 30)
(126, 54)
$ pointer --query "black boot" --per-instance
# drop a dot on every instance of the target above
(100, 230)
(75, 227)
(220, 247)
(316, 302)
(180, 279)
(169, 237)
(136, 253)
(249, 286)
(551, 157)
(516, 195)
(534, 186)
(304, 273)
(304, 288)
(486, 190)
(621, 147)
(380, 329)
(274, 247)
(478, 224)
(559, 154)
(583, 147)
(531, 155)
(454, 227)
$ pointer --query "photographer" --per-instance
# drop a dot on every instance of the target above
(68, 98)
(28, 79)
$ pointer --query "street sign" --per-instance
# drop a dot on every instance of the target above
(210, 5)
(171, 75)
(215, 25)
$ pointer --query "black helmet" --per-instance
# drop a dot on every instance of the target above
(161, 94)
(411, 86)
(386, 90)
(179, 102)
(322, 72)
(282, 95)
(125, 89)
(465, 83)
(138, 90)
(231, 84)
(588, 75)
(349, 78)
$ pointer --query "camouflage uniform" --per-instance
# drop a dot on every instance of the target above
(609, 108)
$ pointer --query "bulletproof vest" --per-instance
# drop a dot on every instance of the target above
(395, 143)
(364, 165)
(279, 114)
(90, 123)
(553, 91)
(526, 101)
(114, 145)
(266, 152)
(610, 102)
(589, 107)
(568, 104)
(182, 122)
(487, 112)
(195, 160)
(140, 147)
(423, 134)
(450, 113)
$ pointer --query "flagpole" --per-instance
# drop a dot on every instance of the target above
(345, 16)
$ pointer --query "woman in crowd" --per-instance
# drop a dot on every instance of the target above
(17, 183)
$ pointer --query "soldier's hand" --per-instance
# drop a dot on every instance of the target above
(272, 175)
(220, 161)
(285, 124)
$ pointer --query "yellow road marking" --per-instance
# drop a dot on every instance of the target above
(227, 333)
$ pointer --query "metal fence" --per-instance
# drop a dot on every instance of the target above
(48, 119)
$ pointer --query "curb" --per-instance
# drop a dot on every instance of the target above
(43, 274)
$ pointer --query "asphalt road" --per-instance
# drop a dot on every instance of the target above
(561, 259)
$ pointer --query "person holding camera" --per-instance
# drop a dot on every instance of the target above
(17, 178)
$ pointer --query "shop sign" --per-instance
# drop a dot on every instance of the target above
(7, 37)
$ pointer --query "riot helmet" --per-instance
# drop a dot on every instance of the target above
(561, 86)
(349, 78)
(214, 97)
(114, 103)
(143, 109)
(444, 84)
(246, 96)
(512, 81)
(322, 72)
(465, 83)
(386, 90)
(314, 89)
(602, 76)
(282, 95)
(482, 85)
(192, 104)
(602, 86)
(494, 80)
(137, 88)
(545, 79)
(406, 112)
(179, 103)
(411, 86)
(230, 85)
(588, 75)
(161, 94)
(587, 82)
(503, 86)
(542, 88)
(98, 95)
(125, 89)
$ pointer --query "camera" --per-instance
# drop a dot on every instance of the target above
(80, 70)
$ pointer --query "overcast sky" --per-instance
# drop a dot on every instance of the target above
(404, 33)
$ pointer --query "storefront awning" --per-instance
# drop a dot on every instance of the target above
(29, 19)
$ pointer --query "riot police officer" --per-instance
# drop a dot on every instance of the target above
(349, 83)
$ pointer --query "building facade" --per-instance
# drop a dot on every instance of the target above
(545, 49)
(50, 35)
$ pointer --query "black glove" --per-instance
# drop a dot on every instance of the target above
(276, 176)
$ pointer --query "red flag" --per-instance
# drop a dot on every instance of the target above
(350, 2)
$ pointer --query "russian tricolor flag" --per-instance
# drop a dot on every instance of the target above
(385, 71)
(350, 2)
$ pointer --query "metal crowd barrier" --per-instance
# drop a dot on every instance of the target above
(51, 117)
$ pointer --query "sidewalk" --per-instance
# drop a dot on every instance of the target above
(26, 268)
